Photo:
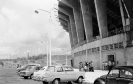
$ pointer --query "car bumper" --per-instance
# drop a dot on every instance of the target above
(38, 78)
(23, 75)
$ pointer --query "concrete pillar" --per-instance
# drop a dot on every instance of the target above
(70, 35)
(101, 12)
(78, 20)
(86, 6)
(72, 24)
(128, 6)
(73, 29)
(69, 28)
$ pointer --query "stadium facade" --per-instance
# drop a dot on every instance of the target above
(99, 30)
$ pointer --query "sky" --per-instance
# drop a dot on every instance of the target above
(23, 31)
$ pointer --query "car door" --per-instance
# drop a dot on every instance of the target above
(112, 75)
(61, 74)
(125, 77)
(70, 74)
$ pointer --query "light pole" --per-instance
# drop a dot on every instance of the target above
(49, 33)
(65, 55)
(46, 47)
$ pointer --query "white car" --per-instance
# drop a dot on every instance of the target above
(39, 73)
(62, 73)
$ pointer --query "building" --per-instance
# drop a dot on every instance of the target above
(99, 30)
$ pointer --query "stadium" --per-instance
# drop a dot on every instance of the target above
(99, 30)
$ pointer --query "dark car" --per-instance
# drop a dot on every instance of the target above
(29, 71)
(117, 75)
(25, 67)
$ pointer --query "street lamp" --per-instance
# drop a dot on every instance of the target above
(65, 55)
(46, 48)
(49, 33)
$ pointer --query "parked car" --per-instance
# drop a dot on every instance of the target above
(62, 73)
(117, 75)
(25, 67)
(40, 72)
(28, 72)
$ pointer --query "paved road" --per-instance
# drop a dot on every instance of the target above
(9, 76)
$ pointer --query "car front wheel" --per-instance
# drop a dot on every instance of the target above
(56, 81)
(80, 80)
(97, 82)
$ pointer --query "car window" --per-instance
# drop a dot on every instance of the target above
(68, 69)
(38, 68)
(42, 68)
(24, 66)
(59, 69)
(31, 67)
(114, 73)
(125, 73)
(51, 68)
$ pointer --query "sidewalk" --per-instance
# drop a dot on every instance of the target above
(91, 76)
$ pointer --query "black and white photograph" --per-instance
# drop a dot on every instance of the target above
(66, 41)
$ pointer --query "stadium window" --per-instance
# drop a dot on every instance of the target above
(116, 45)
(111, 46)
(98, 49)
(92, 49)
(103, 47)
(121, 45)
(107, 47)
(88, 50)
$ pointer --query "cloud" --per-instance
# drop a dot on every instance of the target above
(10, 14)
(23, 30)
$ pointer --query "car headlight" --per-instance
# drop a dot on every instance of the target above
(44, 78)
(131, 83)
(102, 82)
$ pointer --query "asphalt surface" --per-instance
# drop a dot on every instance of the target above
(8, 75)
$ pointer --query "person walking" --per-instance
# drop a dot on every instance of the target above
(103, 65)
(109, 65)
(80, 66)
(85, 67)
(113, 64)
(91, 67)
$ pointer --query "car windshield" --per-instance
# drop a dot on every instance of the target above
(31, 67)
(24, 66)
(68, 69)
(51, 68)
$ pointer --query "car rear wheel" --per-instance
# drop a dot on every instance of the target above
(45, 82)
(56, 81)
(97, 82)
(80, 79)
(31, 76)
(69, 82)
(25, 77)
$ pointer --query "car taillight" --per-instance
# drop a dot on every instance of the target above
(22, 72)
(131, 83)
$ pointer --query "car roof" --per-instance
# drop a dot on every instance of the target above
(60, 66)
(34, 64)
(129, 67)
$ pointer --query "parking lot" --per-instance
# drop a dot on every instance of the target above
(8, 76)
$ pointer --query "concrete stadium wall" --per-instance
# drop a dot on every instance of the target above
(129, 54)
(118, 53)
(122, 57)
